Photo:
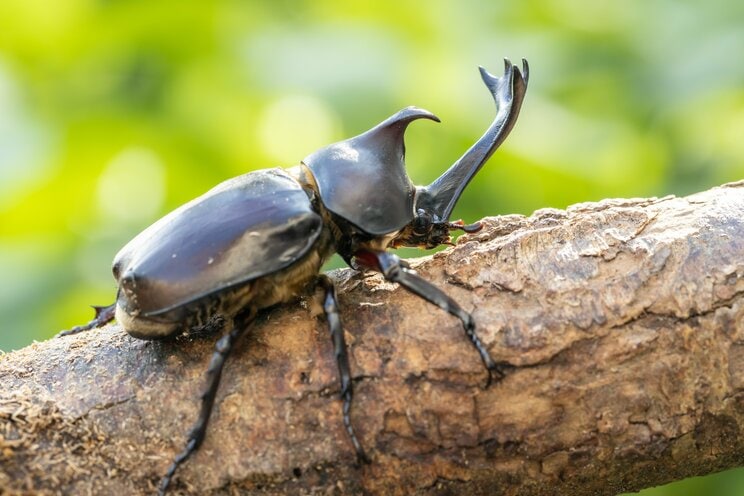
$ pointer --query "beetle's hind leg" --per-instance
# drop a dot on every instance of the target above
(330, 307)
(104, 315)
(222, 350)
(396, 270)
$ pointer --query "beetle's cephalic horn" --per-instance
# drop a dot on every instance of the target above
(363, 179)
(440, 197)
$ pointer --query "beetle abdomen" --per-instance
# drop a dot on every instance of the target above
(195, 315)
(147, 328)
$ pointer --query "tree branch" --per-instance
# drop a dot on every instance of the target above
(622, 320)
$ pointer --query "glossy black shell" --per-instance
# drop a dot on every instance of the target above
(363, 179)
(244, 228)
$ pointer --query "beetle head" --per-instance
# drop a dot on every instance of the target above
(429, 231)
(363, 179)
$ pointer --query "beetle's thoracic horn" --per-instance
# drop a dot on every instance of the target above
(440, 197)
(363, 179)
(404, 117)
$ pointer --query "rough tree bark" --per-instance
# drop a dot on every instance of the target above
(621, 319)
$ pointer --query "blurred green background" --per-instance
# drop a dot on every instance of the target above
(114, 112)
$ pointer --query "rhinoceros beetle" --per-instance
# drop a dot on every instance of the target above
(261, 238)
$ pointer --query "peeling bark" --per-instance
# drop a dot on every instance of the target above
(621, 319)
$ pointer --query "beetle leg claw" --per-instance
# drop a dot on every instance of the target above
(362, 459)
(104, 315)
(496, 372)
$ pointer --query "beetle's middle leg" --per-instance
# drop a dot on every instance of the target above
(330, 307)
(222, 350)
(396, 270)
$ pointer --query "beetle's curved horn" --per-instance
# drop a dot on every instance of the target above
(364, 180)
(440, 197)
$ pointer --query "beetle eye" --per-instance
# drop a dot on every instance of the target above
(422, 224)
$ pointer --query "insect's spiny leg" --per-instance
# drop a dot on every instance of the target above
(395, 270)
(104, 315)
(495, 370)
(330, 306)
(196, 435)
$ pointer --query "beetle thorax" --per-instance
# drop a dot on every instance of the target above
(348, 238)
(363, 180)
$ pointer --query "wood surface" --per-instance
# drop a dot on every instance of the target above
(622, 322)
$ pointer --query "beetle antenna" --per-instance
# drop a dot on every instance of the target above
(468, 228)
(222, 350)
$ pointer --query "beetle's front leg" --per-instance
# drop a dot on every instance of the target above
(330, 307)
(104, 315)
(396, 270)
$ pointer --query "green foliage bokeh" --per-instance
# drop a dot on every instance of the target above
(114, 112)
